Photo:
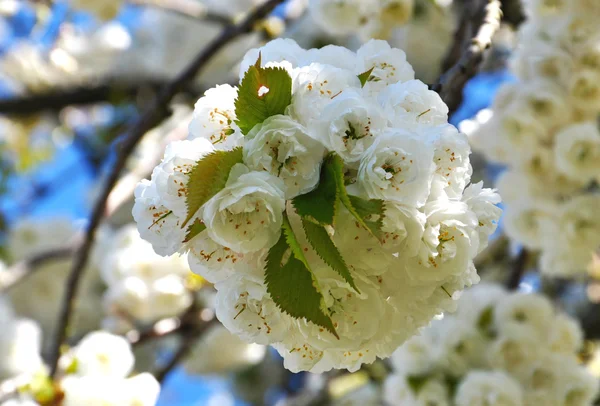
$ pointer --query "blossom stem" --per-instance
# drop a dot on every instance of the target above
(158, 111)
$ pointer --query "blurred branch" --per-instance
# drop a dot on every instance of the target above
(485, 18)
(58, 99)
(513, 12)
(158, 111)
(186, 8)
(22, 269)
(518, 270)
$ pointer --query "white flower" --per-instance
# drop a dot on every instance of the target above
(397, 392)
(398, 167)
(584, 90)
(578, 386)
(278, 50)
(527, 311)
(451, 158)
(247, 214)
(341, 17)
(577, 151)
(333, 55)
(317, 85)
(514, 350)
(390, 65)
(283, 147)
(148, 301)
(530, 222)
(102, 354)
(348, 125)
(483, 203)
(461, 345)
(449, 242)
(219, 352)
(579, 223)
(417, 356)
(20, 347)
(171, 175)
(489, 389)
(156, 223)
(567, 335)
(141, 390)
(245, 309)
(411, 103)
(434, 392)
(215, 263)
(214, 118)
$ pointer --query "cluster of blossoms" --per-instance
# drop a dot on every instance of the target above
(366, 18)
(544, 128)
(395, 149)
(141, 285)
(499, 349)
(96, 371)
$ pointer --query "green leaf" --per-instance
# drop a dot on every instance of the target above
(364, 77)
(319, 205)
(250, 107)
(194, 229)
(292, 285)
(208, 177)
(416, 382)
(368, 208)
(364, 208)
(325, 248)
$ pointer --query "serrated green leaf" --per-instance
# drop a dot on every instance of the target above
(368, 208)
(292, 241)
(416, 382)
(208, 177)
(293, 287)
(321, 242)
(319, 205)
(194, 229)
(374, 228)
(364, 77)
(250, 107)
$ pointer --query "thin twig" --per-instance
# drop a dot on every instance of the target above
(25, 268)
(450, 85)
(158, 111)
(518, 270)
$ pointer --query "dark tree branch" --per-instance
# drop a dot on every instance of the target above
(158, 111)
(58, 99)
(486, 21)
(22, 269)
(518, 270)
(513, 12)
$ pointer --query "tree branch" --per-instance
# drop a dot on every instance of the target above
(58, 99)
(518, 270)
(22, 269)
(158, 111)
(487, 21)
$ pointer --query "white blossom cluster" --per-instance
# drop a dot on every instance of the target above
(98, 371)
(499, 349)
(396, 145)
(366, 18)
(544, 128)
(141, 285)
